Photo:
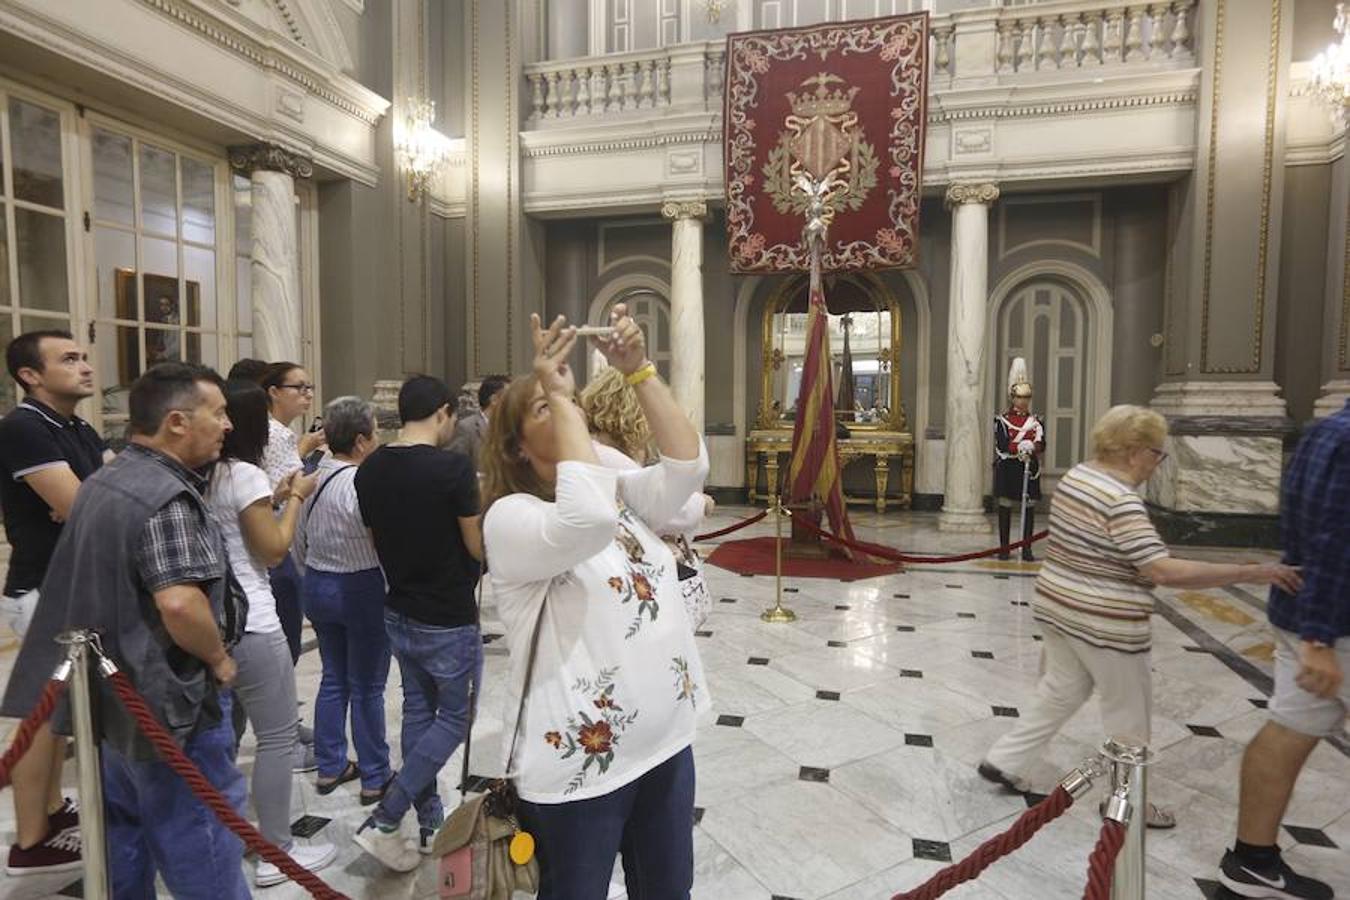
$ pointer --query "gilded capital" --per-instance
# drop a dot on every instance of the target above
(684, 209)
(958, 194)
(252, 158)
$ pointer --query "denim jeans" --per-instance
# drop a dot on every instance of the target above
(650, 821)
(438, 665)
(285, 583)
(347, 612)
(157, 825)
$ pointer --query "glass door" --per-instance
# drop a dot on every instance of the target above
(36, 242)
(156, 249)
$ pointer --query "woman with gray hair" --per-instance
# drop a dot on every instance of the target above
(344, 599)
(1094, 597)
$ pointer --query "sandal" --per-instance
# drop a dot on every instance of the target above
(370, 797)
(1160, 818)
(325, 787)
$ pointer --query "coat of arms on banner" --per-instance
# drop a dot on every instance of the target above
(843, 103)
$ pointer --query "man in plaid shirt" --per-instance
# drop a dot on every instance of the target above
(1312, 652)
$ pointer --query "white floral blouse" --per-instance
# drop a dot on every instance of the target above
(281, 456)
(618, 684)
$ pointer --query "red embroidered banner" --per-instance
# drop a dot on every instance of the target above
(852, 92)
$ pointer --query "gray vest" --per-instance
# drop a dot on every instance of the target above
(93, 582)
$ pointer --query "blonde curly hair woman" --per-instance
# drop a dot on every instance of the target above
(614, 415)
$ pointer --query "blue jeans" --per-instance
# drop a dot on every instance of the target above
(650, 821)
(347, 611)
(438, 666)
(156, 824)
(285, 582)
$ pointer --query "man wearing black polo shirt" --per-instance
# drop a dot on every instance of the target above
(45, 452)
(421, 505)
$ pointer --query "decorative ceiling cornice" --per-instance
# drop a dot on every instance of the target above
(273, 58)
(941, 116)
(613, 145)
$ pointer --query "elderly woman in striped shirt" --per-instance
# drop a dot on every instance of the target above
(1094, 597)
(343, 592)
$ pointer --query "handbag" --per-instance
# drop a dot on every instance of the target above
(693, 586)
(483, 853)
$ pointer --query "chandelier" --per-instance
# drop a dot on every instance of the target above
(1331, 68)
(421, 148)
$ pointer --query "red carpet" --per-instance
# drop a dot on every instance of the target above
(755, 556)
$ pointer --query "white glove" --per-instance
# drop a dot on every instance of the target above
(1026, 448)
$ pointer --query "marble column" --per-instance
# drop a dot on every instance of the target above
(1336, 305)
(274, 273)
(963, 486)
(686, 305)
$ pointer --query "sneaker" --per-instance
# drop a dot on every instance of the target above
(310, 856)
(389, 847)
(1017, 785)
(68, 816)
(1274, 880)
(426, 837)
(58, 852)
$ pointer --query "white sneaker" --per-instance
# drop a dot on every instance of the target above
(310, 856)
(389, 847)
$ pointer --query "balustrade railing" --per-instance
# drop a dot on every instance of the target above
(1054, 36)
(1058, 35)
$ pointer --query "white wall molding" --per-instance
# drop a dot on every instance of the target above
(218, 64)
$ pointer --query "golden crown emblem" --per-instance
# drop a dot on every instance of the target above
(823, 101)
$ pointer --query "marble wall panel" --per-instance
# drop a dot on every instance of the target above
(1221, 473)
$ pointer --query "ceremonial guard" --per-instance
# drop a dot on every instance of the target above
(1019, 441)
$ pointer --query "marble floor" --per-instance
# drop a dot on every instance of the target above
(840, 759)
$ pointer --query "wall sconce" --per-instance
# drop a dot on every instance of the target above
(715, 8)
(421, 148)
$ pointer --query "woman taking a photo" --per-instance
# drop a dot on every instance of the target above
(242, 499)
(1094, 597)
(290, 393)
(343, 591)
(601, 648)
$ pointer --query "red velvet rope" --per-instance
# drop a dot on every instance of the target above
(175, 758)
(1102, 862)
(893, 556)
(994, 849)
(23, 738)
(732, 529)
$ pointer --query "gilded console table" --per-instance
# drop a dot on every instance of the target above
(879, 446)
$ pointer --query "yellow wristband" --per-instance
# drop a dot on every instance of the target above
(641, 375)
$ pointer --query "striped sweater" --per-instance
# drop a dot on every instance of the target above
(1090, 586)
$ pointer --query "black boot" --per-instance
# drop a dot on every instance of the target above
(1028, 529)
(1004, 528)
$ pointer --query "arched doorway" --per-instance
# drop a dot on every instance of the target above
(649, 306)
(1058, 318)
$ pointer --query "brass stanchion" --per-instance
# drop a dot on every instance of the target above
(779, 613)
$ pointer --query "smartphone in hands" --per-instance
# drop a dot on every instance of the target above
(311, 462)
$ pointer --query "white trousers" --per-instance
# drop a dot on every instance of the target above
(1071, 669)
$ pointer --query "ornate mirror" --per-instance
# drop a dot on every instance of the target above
(864, 348)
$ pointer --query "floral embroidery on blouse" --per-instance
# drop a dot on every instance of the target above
(638, 581)
(596, 737)
(685, 686)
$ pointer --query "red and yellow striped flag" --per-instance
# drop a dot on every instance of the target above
(815, 472)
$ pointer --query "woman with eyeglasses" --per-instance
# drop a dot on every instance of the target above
(290, 392)
(1094, 598)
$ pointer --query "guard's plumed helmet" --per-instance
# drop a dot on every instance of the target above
(1019, 383)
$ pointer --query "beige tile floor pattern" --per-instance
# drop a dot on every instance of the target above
(848, 740)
